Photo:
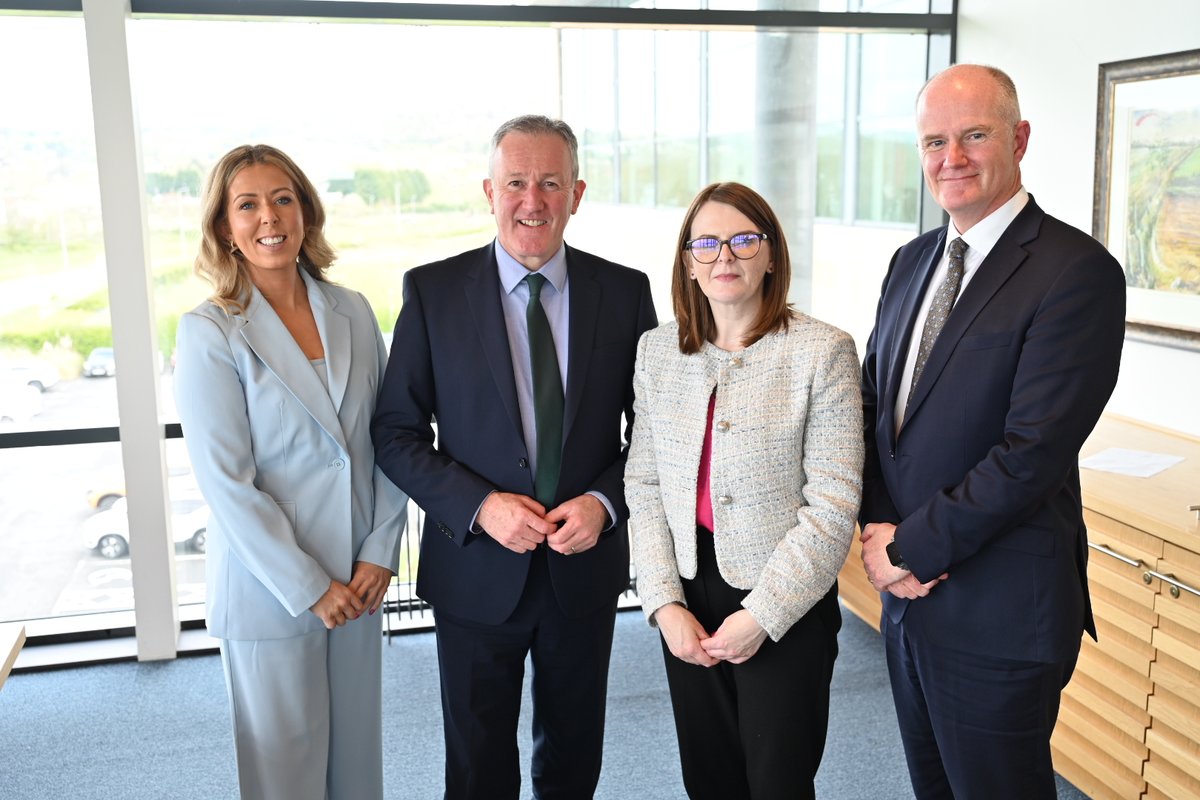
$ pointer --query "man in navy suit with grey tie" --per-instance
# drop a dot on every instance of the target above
(522, 354)
(996, 346)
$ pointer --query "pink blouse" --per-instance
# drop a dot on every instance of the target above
(704, 515)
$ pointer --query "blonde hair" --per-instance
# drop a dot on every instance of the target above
(226, 270)
(1008, 107)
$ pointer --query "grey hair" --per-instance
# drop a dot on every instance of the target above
(537, 125)
(1009, 108)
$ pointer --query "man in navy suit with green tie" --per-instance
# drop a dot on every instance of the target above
(521, 353)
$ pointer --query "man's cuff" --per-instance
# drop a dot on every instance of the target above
(612, 514)
(475, 528)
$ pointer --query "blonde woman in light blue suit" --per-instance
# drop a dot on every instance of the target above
(276, 382)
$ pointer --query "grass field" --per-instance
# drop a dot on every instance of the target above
(54, 298)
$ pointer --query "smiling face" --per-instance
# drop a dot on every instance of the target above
(264, 218)
(970, 151)
(730, 282)
(532, 195)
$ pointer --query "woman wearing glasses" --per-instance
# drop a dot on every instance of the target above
(743, 482)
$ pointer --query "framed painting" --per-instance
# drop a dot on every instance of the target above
(1147, 190)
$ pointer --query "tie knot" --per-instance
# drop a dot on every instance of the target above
(957, 249)
(536, 282)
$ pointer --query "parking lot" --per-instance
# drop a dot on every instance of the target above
(45, 569)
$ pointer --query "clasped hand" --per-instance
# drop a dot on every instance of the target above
(736, 641)
(880, 572)
(343, 602)
(521, 523)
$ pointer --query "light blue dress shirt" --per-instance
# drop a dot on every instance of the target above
(555, 297)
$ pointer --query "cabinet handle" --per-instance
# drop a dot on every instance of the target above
(1170, 579)
(1103, 548)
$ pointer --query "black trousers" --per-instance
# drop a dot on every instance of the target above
(754, 730)
(482, 670)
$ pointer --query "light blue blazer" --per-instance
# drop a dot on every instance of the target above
(287, 468)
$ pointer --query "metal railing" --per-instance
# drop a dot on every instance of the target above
(404, 611)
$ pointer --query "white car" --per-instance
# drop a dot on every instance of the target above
(19, 402)
(107, 532)
(36, 372)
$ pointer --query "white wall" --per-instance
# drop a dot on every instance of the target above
(1053, 50)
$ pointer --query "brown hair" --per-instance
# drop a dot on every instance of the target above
(226, 271)
(692, 310)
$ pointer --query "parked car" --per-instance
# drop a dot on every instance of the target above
(19, 402)
(103, 499)
(108, 531)
(99, 363)
(36, 372)
(111, 486)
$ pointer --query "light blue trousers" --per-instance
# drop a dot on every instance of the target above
(307, 718)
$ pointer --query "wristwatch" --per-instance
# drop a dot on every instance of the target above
(893, 554)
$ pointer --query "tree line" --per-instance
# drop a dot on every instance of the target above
(373, 184)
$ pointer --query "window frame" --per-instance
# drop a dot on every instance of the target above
(140, 431)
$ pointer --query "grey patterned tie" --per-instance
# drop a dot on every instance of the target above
(939, 310)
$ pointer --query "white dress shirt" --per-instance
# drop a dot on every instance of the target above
(980, 239)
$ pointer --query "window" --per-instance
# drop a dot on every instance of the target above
(392, 122)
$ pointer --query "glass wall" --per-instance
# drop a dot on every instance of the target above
(392, 122)
(56, 361)
(65, 534)
(54, 300)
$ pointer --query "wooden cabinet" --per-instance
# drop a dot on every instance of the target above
(1129, 726)
(855, 591)
(1144, 572)
(12, 637)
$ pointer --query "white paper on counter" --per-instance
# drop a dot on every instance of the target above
(1136, 463)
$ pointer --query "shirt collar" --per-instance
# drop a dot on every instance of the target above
(984, 234)
(512, 272)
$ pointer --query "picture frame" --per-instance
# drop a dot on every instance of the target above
(1147, 191)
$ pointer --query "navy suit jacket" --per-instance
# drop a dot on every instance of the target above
(983, 479)
(450, 363)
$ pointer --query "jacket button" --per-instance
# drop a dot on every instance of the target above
(737, 362)
(337, 463)
(723, 426)
(523, 463)
(724, 500)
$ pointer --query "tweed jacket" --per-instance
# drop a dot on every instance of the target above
(786, 472)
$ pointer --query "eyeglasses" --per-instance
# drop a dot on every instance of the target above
(707, 249)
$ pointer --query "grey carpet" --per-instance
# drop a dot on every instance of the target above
(161, 730)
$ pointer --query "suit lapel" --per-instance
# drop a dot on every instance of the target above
(586, 294)
(482, 291)
(269, 338)
(905, 320)
(1003, 260)
(334, 327)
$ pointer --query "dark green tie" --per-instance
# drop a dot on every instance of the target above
(547, 394)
